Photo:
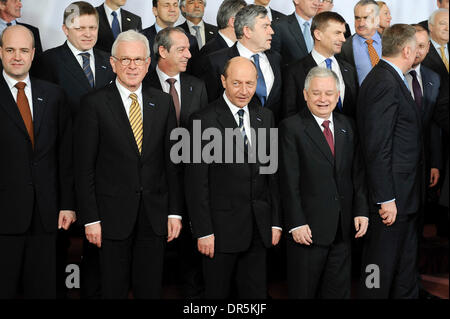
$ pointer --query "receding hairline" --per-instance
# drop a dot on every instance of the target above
(19, 27)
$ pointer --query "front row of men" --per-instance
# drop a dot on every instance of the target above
(130, 195)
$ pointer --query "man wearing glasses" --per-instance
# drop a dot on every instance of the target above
(128, 189)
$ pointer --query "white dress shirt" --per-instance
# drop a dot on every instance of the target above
(202, 30)
(11, 85)
(419, 79)
(264, 64)
(166, 86)
(320, 61)
(234, 110)
(109, 16)
(229, 42)
(79, 58)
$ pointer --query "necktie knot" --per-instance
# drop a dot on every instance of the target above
(20, 85)
(256, 58)
(133, 97)
(413, 73)
(196, 28)
(369, 41)
(114, 14)
(241, 113)
(326, 124)
(171, 81)
(328, 62)
(9, 24)
(85, 55)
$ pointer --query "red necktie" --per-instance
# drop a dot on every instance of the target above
(176, 100)
(328, 135)
(24, 109)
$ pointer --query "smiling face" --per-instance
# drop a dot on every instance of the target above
(330, 40)
(176, 59)
(83, 32)
(439, 30)
(366, 23)
(321, 96)
(130, 76)
(240, 81)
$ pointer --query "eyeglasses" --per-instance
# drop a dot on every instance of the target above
(127, 61)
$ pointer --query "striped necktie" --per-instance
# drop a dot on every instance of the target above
(444, 58)
(87, 67)
(242, 128)
(136, 121)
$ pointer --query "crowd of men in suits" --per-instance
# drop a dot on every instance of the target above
(86, 130)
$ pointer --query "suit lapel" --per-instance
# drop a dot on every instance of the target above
(10, 106)
(186, 97)
(297, 33)
(127, 22)
(313, 130)
(104, 22)
(339, 141)
(101, 70)
(39, 107)
(73, 67)
(277, 75)
(149, 109)
(427, 91)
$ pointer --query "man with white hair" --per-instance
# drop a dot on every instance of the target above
(129, 192)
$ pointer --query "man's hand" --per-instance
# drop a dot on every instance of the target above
(434, 177)
(276, 235)
(302, 235)
(206, 246)
(94, 234)
(361, 224)
(388, 213)
(173, 228)
(66, 218)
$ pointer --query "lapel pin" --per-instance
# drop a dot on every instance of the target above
(40, 99)
(430, 83)
(190, 88)
(128, 19)
(343, 131)
(151, 104)
(210, 32)
(103, 67)
(258, 119)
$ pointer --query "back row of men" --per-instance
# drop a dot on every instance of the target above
(130, 199)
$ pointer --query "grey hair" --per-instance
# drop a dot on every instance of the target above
(246, 17)
(319, 72)
(376, 8)
(227, 10)
(183, 4)
(131, 36)
(432, 18)
(163, 39)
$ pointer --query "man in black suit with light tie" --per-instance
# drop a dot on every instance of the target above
(391, 131)
(274, 15)
(193, 11)
(113, 20)
(292, 37)
(323, 191)
(234, 205)
(328, 32)
(254, 34)
(129, 192)
(36, 178)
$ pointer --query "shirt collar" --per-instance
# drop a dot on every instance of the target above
(376, 38)
(125, 93)
(233, 108)
(320, 120)
(158, 28)
(108, 11)
(76, 52)
(301, 21)
(417, 69)
(3, 22)
(399, 71)
(319, 58)
(12, 82)
(246, 53)
(164, 76)
(437, 45)
(190, 24)
(229, 42)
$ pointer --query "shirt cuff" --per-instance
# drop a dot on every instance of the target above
(294, 229)
(89, 224)
(276, 227)
(206, 236)
(388, 201)
(176, 216)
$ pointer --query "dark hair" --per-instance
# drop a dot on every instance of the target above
(78, 9)
(420, 28)
(321, 20)
(246, 17)
(163, 39)
(396, 37)
(228, 9)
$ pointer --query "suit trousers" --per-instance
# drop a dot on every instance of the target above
(394, 250)
(136, 262)
(247, 269)
(29, 261)
(318, 271)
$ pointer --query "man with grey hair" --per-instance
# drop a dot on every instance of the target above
(193, 11)
(391, 131)
(363, 49)
(254, 33)
(441, 4)
(322, 187)
(129, 191)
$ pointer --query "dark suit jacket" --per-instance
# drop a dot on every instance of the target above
(288, 40)
(210, 30)
(59, 66)
(390, 127)
(294, 77)
(42, 176)
(216, 62)
(225, 198)
(105, 39)
(347, 52)
(434, 62)
(150, 33)
(193, 94)
(277, 15)
(37, 37)
(316, 188)
(112, 178)
(199, 66)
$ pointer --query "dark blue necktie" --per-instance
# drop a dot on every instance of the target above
(261, 89)
(9, 24)
(417, 91)
(87, 68)
(242, 128)
(328, 62)
(115, 27)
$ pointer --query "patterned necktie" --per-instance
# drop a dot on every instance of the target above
(242, 128)
(198, 35)
(328, 135)
(373, 55)
(24, 109)
(115, 26)
(417, 91)
(87, 67)
(175, 98)
(307, 36)
(444, 58)
(136, 121)
(261, 89)
(9, 24)
(329, 62)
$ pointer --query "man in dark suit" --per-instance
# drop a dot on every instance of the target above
(327, 5)
(274, 15)
(234, 207)
(128, 189)
(113, 20)
(292, 37)
(323, 191)
(254, 34)
(193, 11)
(441, 4)
(390, 126)
(36, 180)
(328, 32)
(166, 13)
(10, 11)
